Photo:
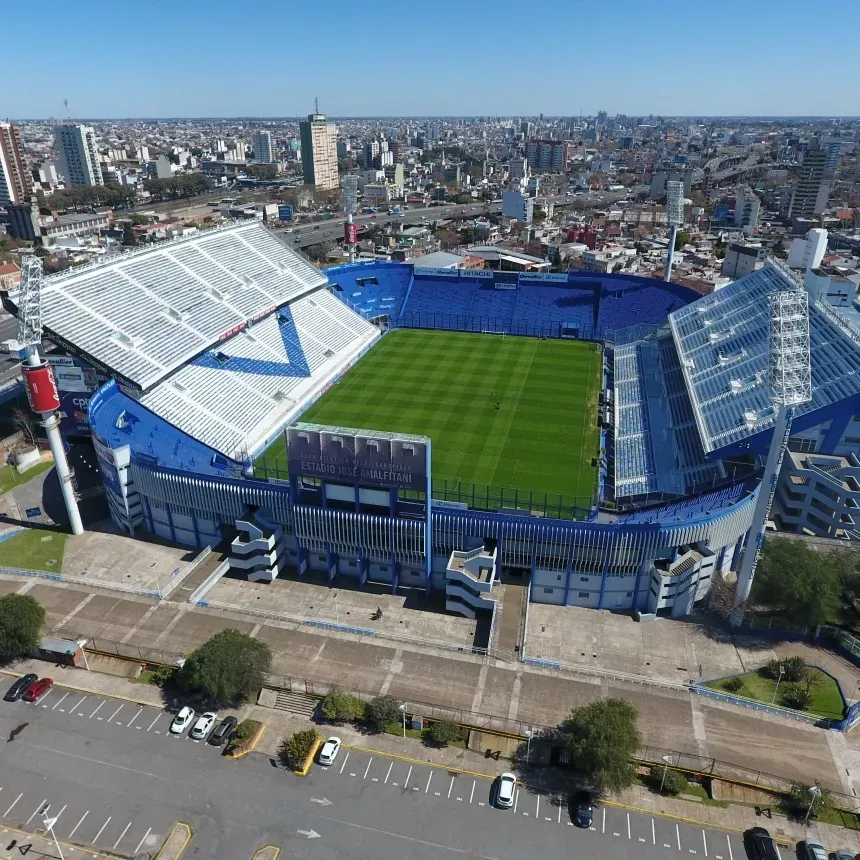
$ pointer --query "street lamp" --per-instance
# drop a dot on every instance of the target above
(815, 791)
(49, 825)
(668, 760)
(528, 733)
(402, 709)
(778, 680)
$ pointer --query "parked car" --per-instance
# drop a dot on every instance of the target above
(329, 751)
(200, 730)
(182, 721)
(288, 230)
(505, 788)
(37, 689)
(19, 687)
(584, 810)
(814, 850)
(761, 844)
(223, 732)
(842, 854)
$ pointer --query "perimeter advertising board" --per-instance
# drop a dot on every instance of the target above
(363, 457)
(77, 382)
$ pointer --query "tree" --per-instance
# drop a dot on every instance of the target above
(227, 668)
(798, 581)
(442, 733)
(681, 239)
(464, 199)
(262, 171)
(24, 421)
(382, 711)
(671, 781)
(21, 619)
(294, 751)
(793, 669)
(797, 801)
(339, 707)
(128, 234)
(602, 737)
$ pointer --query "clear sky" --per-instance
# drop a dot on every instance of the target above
(173, 58)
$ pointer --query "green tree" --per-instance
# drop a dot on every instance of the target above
(128, 236)
(681, 239)
(227, 668)
(795, 696)
(602, 737)
(339, 707)
(442, 733)
(294, 751)
(21, 619)
(382, 711)
(262, 171)
(734, 684)
(798, 581)
(464, 199)
(793, 669)
(796, 802)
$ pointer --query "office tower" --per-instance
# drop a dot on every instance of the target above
(810, 191)
(319, 152)
(264, 148)
(78, 156)
(16, 183)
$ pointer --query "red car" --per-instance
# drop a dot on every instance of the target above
(37, 690)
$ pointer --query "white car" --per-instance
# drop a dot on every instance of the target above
(182, 720)
(505, 791)
(204, 725)
(288, 230)
(329, 751)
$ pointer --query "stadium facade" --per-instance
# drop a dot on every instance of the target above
(203, 350)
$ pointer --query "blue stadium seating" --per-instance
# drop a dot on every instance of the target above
(372, 289)
(693, 506)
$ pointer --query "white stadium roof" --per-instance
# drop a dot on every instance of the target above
(146, 313)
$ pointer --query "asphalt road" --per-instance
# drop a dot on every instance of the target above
(118, 780)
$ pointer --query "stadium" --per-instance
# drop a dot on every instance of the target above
(601, 436)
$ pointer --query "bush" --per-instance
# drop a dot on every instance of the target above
(339, 707)
(382, 711)
(796, 802)
(244, 732)
(673, 783)
(442, 733)
(163, 676)
(795, 696)
(733, 685)
(21, 620)
(294, 751)
(793, 669)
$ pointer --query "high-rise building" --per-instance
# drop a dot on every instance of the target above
(547, 154)
(264, 148)
(78, 155)
(832, 146)
(747, 205)
(807, 253)
(16, 183)
(810, 191)
(319, 152)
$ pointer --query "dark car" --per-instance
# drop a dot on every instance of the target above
(761, 844)
(20, 687)
(223, 731)
(584, 810)
(38, 689)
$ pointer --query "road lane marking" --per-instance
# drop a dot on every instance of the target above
(628, 826)
(472, 795)
(375, 778)
(344, 762)
(148, 831)
(678, 835)
(450, 787)
(101, 705)
(44, 698)
(150, 726)
(120, 836)
(101, 829)
(367, 769)
(516, 800)
(559, 810)
(438, 794)
(653, 832)
(75, 828)
(603, 829)
(128, 724)
(729, 843)
(76, 706)
(115, 712)
(13, 804)
(428, 782)
(406, 784)
(33, 813)
(389, 773)
(641, 838)
(57, 816)
(60, 701)
(537, 807)
(481, 803)
(705, 842)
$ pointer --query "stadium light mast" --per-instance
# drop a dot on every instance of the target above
(791, 383)
(675, 216)
(349, 200)
(39, 378)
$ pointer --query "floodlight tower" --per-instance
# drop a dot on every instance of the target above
(675, 216)
(791, 384)
(349, 199)
(39, 378)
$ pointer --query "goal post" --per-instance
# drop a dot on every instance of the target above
(497, 333)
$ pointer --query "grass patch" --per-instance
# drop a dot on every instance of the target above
(446, 385)
(10, 477)
(839, 818)
(34, 549)
(397, 729)
(826, 700)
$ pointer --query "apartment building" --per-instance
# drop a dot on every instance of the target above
(16, 183)
(78, 155)
(319, 152)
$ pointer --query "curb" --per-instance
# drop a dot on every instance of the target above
(271, 848)
(450, 769)
(92, 851)
(254, 741)
(166, 853)
(305, 769)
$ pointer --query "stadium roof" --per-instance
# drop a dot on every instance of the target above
(723, 343)
(146, 313)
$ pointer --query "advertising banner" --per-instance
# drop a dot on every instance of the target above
(556, 277)
(285, 212)
(436, 273)
(41, 388)
(350, 233)
(77, 382)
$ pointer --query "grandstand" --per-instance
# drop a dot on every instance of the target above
(207, 347)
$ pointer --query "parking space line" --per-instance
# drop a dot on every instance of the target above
(120, 836)
(406, 784)
(60, 701)
(729, 843)
(75, 828)
(516, 800)
(128, 724)
(389, 773)
(603, 830)
(450, 787)
(560, 801)
(628, 826)
(154, 721)
(537, 807)
(77, 705)
(115, 712)
(57, 816)
(33, 813)
(678, 834)
(474, 783)
(96, 710)
(705, 842)
(13, 804)
(653, 833)
(367, 769)
(148, 831)
(44, 699)
(428, 782)
(344, 762)
(101, 829)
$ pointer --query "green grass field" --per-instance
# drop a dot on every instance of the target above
(446, 385)
(34, 549)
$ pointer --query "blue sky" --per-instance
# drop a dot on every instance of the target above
(445, 57)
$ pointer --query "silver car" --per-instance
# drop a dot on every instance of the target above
(814, 850)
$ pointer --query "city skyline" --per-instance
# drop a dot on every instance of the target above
(670, 59)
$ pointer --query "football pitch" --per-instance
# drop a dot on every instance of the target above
(516, 413)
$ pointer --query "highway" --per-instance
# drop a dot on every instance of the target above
(117, 780)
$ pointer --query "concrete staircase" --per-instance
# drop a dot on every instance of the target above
(296, 703)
